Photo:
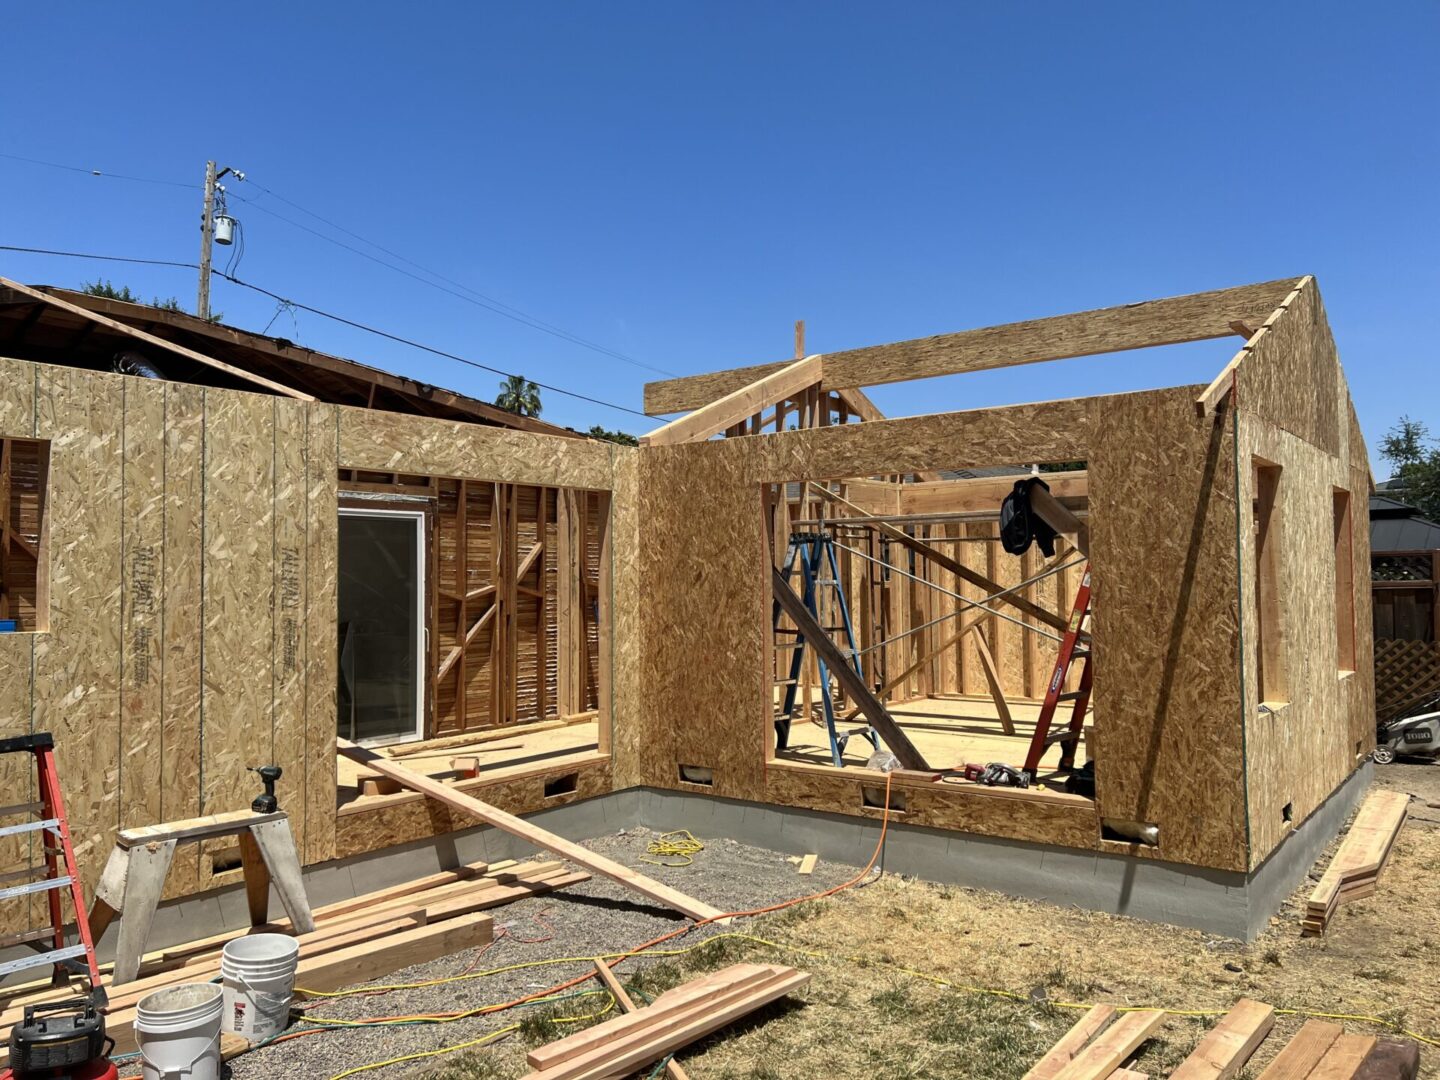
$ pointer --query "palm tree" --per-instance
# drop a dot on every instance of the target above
(519, 395)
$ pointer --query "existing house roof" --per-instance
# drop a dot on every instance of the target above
(32, 329)
(1396, 526)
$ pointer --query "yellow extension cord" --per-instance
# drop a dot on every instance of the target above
(733, 935)
(676, 844)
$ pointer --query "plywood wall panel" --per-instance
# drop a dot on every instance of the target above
(289, 627)
(238, 686)
(17, 775)
(1289, 377)
(321, 540)
(142, 539)
(624, 581)
(394, 443)
(182, 631)
(1166, 630)
(77, 664)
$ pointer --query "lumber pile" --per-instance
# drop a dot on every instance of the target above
(356, 940)
(1228, 1045)
(673, 1020)
(1353, 871)
(1324, 1051)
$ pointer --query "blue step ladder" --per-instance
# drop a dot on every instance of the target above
(813, 554)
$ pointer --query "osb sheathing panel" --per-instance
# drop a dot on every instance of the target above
(182, 604)
(708, 608)
(77, 664)
(390, 442)
(289, 579)
(409, 819)
(17, 772)
(322, 438)
(1289, 377)
(1300, 752)
(1162, 544)
(1069, 824)
(628, 598)
(142, 537)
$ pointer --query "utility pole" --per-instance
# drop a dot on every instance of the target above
(207, 231)
(214, 194)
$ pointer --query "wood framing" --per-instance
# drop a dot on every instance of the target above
(1196, 317)
(748, 400)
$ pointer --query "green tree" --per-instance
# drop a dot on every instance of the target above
(624, 439)
(1415, 457)
(108, 291)
(519, 395)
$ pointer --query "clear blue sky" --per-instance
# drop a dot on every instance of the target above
(679, 182)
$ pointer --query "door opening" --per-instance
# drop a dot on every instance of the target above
(381, 616)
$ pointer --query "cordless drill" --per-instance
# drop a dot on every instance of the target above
(266, 803)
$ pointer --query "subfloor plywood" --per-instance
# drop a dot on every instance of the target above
(948, 731)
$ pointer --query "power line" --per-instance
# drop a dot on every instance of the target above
(469, 295)
(423, 348)
(101, 258)
(99, 173)
(296, 305)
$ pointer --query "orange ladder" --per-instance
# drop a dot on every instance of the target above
(1074, 648)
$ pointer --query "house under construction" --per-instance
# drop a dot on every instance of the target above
(243, 550)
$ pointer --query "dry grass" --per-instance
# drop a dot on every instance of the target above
(870, 1013)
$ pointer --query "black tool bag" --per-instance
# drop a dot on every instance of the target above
(1019, 527)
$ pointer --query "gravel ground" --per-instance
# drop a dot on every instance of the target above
(595, 917)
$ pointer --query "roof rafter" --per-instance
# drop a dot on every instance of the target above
(1196, 317)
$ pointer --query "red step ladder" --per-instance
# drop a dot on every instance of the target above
(1074, 648)
(60, 874)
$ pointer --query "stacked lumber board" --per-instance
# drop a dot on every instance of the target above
(1319, 1051)
(356, 940)
(1353, 871)
(673, 1020)
(1092, 1051)
(1325, 1051)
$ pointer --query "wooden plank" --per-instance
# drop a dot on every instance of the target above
(1344, 1058)
(157, 342)
(807, 864)
(226, 824)
(533, 834)
(741, 402)
(1103, 1056)
(1196, 317)
(1228, 1045)
(673, 1068)
(1071, 1043)
(854, 686)
(359, 963)
(1303, 1052)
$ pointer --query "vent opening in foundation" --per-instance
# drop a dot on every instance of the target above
(1130, 832)
(873, 798)
(223, 861)
(1287, 813)
(697, 774)
(562, 785)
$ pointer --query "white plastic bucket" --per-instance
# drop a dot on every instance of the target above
(178, 1030)
(258, 973)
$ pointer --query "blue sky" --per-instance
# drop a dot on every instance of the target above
(680, 182)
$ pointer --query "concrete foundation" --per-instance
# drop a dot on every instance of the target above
(1218, 902)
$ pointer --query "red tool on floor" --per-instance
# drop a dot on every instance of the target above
(67, 1038)
(1074, 647)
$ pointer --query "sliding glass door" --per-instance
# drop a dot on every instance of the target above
(382, 625)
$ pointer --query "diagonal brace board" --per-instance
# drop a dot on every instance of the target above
(867, 703)
(499, 819)
(739, 404)
(959, 569)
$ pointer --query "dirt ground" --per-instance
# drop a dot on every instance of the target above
(913, 980)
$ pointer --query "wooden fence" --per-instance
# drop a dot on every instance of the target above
(1406, 590)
